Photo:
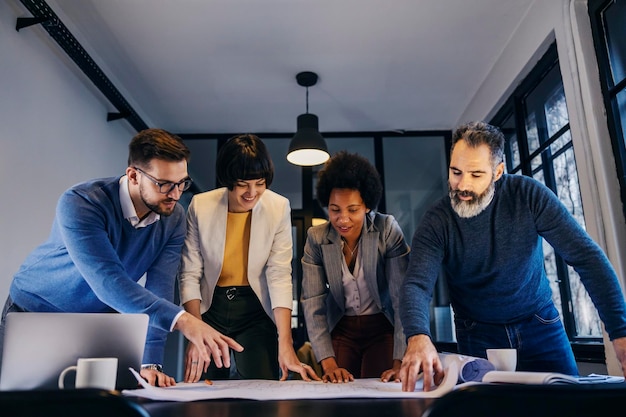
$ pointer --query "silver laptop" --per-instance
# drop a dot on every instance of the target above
(38, 346)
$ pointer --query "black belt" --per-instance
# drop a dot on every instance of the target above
(232, 292)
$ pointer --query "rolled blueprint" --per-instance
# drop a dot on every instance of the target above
(471, 369)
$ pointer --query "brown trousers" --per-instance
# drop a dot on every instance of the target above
(364, 345)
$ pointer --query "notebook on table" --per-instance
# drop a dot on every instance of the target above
(520, 377)
(38, 346)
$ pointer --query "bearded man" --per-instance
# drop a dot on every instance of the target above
(487, 236)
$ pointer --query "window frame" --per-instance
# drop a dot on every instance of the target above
(610, 89)
(515, 107)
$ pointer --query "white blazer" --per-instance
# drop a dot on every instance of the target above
(269, 254)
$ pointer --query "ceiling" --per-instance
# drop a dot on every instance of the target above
(229, 66)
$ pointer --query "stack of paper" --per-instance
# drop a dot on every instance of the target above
(547, 378)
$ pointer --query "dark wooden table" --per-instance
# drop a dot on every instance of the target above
(361, 407)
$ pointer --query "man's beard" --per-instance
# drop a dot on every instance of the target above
(156, 207)
(473, 207)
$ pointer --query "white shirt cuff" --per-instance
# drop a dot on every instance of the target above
(176, 319)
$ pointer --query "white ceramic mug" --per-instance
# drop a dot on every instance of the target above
(503, 359)
(92, 373)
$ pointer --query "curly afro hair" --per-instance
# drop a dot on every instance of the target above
(351, 171)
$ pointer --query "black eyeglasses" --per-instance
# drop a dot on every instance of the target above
(167, 186)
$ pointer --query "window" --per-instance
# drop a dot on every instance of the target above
(609, 36)
(287, 177)
(416, 172)
(535, 123)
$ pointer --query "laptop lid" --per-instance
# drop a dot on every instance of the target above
(38, 346)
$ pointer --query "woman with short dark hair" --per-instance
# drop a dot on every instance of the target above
(236, 267)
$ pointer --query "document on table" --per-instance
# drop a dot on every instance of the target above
(548, 378)
(290, 390)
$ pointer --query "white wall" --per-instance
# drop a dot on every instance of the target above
(567, 22)
(53, 133)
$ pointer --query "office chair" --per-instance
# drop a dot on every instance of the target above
(515, 400)
(68, 403)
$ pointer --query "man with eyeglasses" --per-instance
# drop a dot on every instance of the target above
(115, 246)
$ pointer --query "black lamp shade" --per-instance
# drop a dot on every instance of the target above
(307, 147)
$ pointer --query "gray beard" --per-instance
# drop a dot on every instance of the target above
(473, 207)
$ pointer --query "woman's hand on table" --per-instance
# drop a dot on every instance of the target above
(392, 374)
(333, 373)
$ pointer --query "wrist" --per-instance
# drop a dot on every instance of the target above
(152, 366)
(183, 321)
(329, 364)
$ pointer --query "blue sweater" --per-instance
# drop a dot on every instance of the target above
(94, 257)
(493, 262)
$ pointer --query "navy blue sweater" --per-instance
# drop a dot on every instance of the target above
(493, 262)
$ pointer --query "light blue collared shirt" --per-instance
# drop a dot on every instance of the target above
(128, 208)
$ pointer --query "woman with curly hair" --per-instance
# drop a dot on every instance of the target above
(352, 268)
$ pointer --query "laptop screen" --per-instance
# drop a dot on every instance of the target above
(38, 346)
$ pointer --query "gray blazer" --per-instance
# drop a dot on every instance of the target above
(384, 253)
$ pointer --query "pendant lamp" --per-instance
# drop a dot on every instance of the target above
(307, 147)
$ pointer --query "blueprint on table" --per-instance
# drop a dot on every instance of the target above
(289, 390)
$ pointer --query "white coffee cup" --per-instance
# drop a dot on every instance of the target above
(92, 373)
(503, 359)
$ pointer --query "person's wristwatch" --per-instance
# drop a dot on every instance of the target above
(154, 366)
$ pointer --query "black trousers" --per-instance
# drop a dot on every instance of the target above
(237, 312)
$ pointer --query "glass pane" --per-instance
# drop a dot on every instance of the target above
(532, 133)
(287, 176)
(556, 111)
(535, 164)
(616, 38)
(568, 189)
(509, 131)
(545, 109)
(295, 279)
(539, 174)
(514, 155)
(362, 146)
(621, 105)
(444, 324)
(549, 261)
(416, 175)
(588, 323)
(560, 142)
(202, 163)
